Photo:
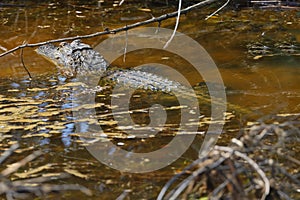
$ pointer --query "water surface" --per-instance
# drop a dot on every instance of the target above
(38, 113)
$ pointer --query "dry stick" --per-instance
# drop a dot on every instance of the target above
(284, 195)
(126, 45)
(16, 19)
(49, 188)
(252, 163)
(124, 194)
(185, 170)
(217, 190)
(14, 167)
(23, 64)
(39, 190)
(228, 180)
(196, 173)
(8, 152)
(40, 179)
(114, 31)
(121, 2)
(287, 174)
(225, 4)
(26, 21)
(176, 25)
(290, 158)
(174, 178)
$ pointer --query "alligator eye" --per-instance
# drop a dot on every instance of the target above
(62, 44)
(77, 41)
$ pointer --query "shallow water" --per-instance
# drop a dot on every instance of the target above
(38, 113)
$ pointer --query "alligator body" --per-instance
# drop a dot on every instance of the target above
(271, 48)
(76, 57)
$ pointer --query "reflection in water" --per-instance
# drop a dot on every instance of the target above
(38, 113)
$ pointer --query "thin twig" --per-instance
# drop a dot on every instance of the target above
(23, 64)
(14, 167)
(284, 172)
(124, 194)
(252, 163)
(114, 31)
(218, 189)
(196, 173)
(8, 152)
(41, 179)
(121, 2)
(126, 45)
(228, 180)
(26, 20)
(225, 4)
(176, 177)
(49, 188)
(176, 25)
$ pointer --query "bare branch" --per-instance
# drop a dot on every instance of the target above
(125, 48)
(253, 164)
(114, 31)
(176, 25)
(121, 2)
(225, 4)
(8, 152)
(201, 170)
(14, 167)
(23, 64)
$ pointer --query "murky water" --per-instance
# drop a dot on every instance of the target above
(38, 112)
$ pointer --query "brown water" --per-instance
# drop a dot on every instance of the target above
(38, 113)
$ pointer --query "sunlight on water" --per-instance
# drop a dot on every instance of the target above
(38, 112)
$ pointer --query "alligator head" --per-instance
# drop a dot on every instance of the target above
(74, 58)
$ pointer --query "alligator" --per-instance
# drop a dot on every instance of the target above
(77, 57)
(271, 48)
